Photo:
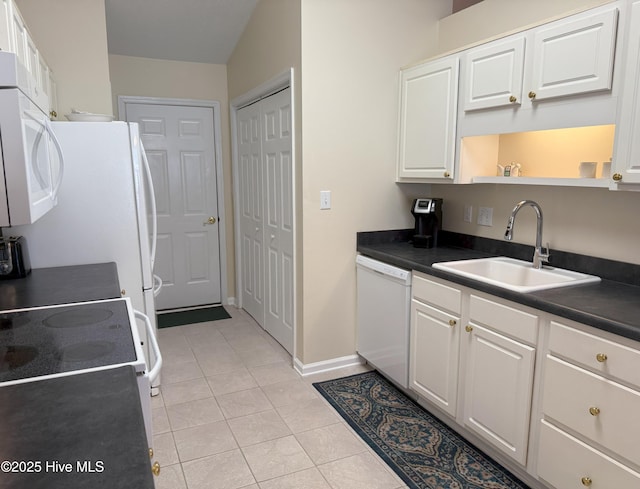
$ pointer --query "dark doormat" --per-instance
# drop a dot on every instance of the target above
(179, 318)
(424, 452)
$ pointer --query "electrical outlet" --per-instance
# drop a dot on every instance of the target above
(325, 199)
(468, 213)
(485, 216)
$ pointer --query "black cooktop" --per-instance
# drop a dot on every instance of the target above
(51, 340)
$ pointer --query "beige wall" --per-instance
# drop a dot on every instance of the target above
(146, 77)
(595, 222)
(72, 36)
(351, 56)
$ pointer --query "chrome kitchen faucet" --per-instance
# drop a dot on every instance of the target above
(539, 257)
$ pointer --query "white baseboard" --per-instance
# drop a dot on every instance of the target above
(231, 301)
(326, 365)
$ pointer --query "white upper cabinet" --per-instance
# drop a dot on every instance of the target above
(626, 160)
(494, 74)
(534, 75)
(573, 56)
(31, 70)
(428, 114)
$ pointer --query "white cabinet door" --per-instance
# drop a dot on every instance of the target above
(497, 390)
(573, 56)
(626, 159)
(493, 74)
(433, 371)
(428, 106)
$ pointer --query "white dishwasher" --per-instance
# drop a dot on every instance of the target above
(384, 296)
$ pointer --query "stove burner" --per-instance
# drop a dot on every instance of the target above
(78, 316)
(88, 350)
(9, 321)
(13, 357)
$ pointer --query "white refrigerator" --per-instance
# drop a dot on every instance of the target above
(105, 212)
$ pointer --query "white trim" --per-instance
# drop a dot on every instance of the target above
(123, 100)
(280, 82)
(326, 365)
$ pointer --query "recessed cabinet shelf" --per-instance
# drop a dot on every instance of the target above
(558, 182)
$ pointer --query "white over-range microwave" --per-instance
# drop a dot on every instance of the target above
(31, 160)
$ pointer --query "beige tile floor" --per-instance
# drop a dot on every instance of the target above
(233, 414)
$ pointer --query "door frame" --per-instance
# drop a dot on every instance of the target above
(280, 82)
(123, 100)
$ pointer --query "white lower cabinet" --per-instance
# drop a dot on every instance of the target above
(435, 344)
(497, 390)
(590, 399)
(476, 366)
(548, 397)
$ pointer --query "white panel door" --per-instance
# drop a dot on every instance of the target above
(433, 370)
(251, 222)
(493, 74)
(179, 142)
(264, 140)
(498, 389)
(428, 110)
(278, 216)
(574, 57)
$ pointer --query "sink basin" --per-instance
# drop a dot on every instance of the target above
(516, 275)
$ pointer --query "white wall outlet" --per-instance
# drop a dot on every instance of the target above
(325, 199)
(468, 213)
(485, 216)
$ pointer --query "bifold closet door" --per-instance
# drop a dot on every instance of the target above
(266, 173)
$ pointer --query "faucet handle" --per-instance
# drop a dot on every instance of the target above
(544, 254)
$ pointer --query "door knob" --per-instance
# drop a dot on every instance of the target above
(211, 220)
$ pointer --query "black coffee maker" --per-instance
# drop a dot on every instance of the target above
(428, 215)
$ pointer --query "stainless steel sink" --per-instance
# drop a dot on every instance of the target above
(516, 275)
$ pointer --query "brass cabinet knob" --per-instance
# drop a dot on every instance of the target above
(452, 322)
(594, 411)
(586, 481)
(601, 357)
(532, 95)
(513, 99)
(617, 177)
(53, 114)
(150, 452)
(447, 174)
(155, 468)
(468, 328)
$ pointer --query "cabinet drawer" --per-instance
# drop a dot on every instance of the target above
(564, 461)
(445, 297)
(503, 318)
(603, 356)
(597, 408)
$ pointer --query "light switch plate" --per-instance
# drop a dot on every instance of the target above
(485, 216)
(325, 199)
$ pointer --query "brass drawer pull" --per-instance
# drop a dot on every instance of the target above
(532, 95)
(594, 411)
(601, 357)
(586, 481)
(468, 328)
(155, 468)
(452, 322)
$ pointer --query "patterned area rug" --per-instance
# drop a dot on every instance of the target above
(424, 452)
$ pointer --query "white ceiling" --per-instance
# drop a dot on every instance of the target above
(204, 31)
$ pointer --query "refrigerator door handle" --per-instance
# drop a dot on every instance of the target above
(155, 371)
(154, 213)
(157, 285)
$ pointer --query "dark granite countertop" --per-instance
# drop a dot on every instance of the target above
(61, 285)
(94, 419)
(610, 305)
